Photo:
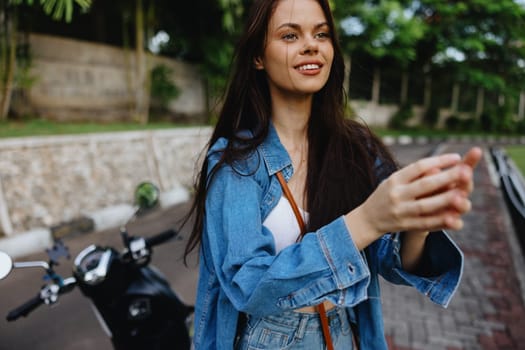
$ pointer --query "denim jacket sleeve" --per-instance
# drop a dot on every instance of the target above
(441, 266)
(253, 277)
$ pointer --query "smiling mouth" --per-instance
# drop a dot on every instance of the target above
(310, 66)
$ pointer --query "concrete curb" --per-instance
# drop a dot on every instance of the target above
(29, 242)
(422, 140)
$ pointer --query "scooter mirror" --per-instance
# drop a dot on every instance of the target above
(147, 195)
(6, 265)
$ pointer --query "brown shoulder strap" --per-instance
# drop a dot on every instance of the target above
(289, 196)
(320, 308)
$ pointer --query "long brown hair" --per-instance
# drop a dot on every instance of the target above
(343, 154)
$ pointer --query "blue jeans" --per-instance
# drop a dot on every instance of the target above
(296, 330)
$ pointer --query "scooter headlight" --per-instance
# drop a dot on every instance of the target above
(92, 265)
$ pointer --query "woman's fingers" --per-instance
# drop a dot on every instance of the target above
(426, 195)
(437, 182)
(440, 196)
(472, 157)
(441, 221)
(422, 166)
(454, 200)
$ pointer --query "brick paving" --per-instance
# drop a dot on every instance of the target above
(488, 310)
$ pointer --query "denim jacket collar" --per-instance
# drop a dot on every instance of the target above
(275, 155)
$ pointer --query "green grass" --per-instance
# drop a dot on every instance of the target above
(38, 127)
(517, 153)
(428, 132)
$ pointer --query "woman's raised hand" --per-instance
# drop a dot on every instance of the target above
(429, 194)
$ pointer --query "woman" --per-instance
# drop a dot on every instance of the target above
(261, 282)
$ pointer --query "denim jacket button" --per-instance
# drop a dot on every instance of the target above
(351, 268)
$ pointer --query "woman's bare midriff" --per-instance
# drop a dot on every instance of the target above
(310, 309)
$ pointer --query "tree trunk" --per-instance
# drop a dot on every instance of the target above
(8, 62)
(376, 85)
(521, 108)
(455, 98)
(403, 98)
(480, 100)
(6, 227)
(427, 94)
(141, 88)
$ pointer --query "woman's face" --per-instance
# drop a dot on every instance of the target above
(298, 54)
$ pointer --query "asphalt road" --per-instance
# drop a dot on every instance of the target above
(70, 324)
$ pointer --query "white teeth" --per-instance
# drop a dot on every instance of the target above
(309, 66)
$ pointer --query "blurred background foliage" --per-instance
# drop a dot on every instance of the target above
(424, 52)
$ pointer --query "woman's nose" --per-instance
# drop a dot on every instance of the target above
(310, 47)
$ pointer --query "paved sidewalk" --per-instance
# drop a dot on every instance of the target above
(488, 310)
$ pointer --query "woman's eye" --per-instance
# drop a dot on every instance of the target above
(323, 35)
(289, 36)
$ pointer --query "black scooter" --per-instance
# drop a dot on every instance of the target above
(133, 301)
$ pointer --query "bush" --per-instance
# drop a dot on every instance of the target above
(487, 122)
(431, 116)
(163, 90)
(498, 119)
(453, 123)
(520, 127)
(400, 118)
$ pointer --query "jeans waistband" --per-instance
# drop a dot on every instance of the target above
(310, 320)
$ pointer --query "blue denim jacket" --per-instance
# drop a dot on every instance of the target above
(240, 271)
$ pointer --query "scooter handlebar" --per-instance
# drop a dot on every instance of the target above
(25, 308)
(161, 238)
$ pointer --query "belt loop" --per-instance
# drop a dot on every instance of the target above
(301, 329)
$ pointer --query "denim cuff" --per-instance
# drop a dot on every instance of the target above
(348, 265)
(442, 263)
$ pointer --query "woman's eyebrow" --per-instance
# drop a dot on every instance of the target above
(297, 26)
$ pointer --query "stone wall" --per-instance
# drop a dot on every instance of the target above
(78, 80)
(48, 180)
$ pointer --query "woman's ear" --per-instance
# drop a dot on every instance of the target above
(258, 63)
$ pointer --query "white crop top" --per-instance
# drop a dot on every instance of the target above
(283, 224)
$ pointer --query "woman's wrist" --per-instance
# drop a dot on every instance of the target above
(361, 229)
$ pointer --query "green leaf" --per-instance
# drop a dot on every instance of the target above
(57, 9)
(69, 11)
